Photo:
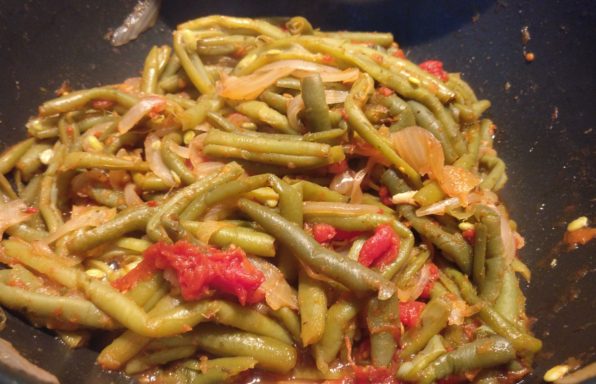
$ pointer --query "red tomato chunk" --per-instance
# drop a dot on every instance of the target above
(381, 248)
(409, 312)
(435, 67)
(199, 271)
(434, 276)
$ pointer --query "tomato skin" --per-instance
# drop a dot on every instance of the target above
(435, 68)
(385, 91)
(323, 233)
(469, 235)
(337, 168)
(434, 276)
(200, 270)
(381, 248)
(409, 312)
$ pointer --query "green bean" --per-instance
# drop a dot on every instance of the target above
(264, 144)
(290, 320)
(521, 340)
(232, 189)
(464, 94)
(116, 142)
(192, 65)
(290, 208)
(78, 99)
(6, 188)
(453, 246)
(376, 38)
(29, 163)
(275, 101)
(410, 370)
(150, 182)
(332, 136)
(315, 192)
(173, 161)
(173, 83)
(221, 122)
(336, 154)
(271, 355)
(432, 320)
(171, 68)
(78, 160)
(93, 121)
(47, 203)
(289, 83)
(339, 316)
(358, 121)
(69, 133)
(10, 157)
(347, 272)
(511, 300)
(298, 25)
(259, 111)
(142, 363)
(398, 108)
(183, 197)
(260, 27)
(429, 194)
(129, 344)
(312, 302)
(382, 320)
(127, 221)
(225, 45)
(479, 262)
(481, 353)
(197, 114)
(251, 241)
(426, 119)
(409, 272)
(155, 63)
(63, 308)
(214, 371)
(495, 261)
(316, 111)
(107, 197)
(394, 183)
(497, 171)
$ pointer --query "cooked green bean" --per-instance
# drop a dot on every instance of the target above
(312, 301)
(316, 111)
(260, 111)
(76, 100)
(155, 63)
(192, 64)
(432, 320)
(10, 157)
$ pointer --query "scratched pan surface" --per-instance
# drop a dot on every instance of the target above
(546, 119)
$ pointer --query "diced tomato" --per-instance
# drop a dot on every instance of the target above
(371, 374)
(381, 248)
(31, 210)
(240, 52)
(435, 68)
(102, 104)
(201, 270)
(344, 114)
(399, 54)
(328, 59)
(385, 91)
(323, 233)
(378, 58)
(409, 312)
(469, 235)
(152, 203)
(385, 196)
(433, 271)
(337, 168)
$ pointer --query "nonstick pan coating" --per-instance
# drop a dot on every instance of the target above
(544, 110)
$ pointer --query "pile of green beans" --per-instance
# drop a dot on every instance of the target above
(260, 134)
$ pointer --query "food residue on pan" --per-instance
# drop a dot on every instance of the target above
(578, 232)
(525, 39)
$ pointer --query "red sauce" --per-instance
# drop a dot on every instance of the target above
(102, 104)
(371, 374)
(580, 236)
(385, 91)
(469, 235)
(435, 68)
(434, 276)
(385, 196)
(324, 233)
(409, 312)
(339, 167)
(199, 271)
(381, 248)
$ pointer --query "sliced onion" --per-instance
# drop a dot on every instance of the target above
(459, 311)
(356, 193)
(81, 182)
(404, 198)
(346, 76)
(278, 293)
(131, 198)
(250, 86)
(138, 111)
(81, 217)
(333, 96)
(294, 107)
(195, 149)
(217, 212)
(342, 209)
(419, 148)
(207, 168)
(439, 207)
(12, 213)
(142, 17)
(342, 182)
(298, 65)
(414, 291)
(182, 151)
(208, 228)
(156, 164)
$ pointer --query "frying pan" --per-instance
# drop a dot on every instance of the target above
(544, 110)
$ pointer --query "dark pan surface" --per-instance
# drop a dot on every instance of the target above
(546, 121)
